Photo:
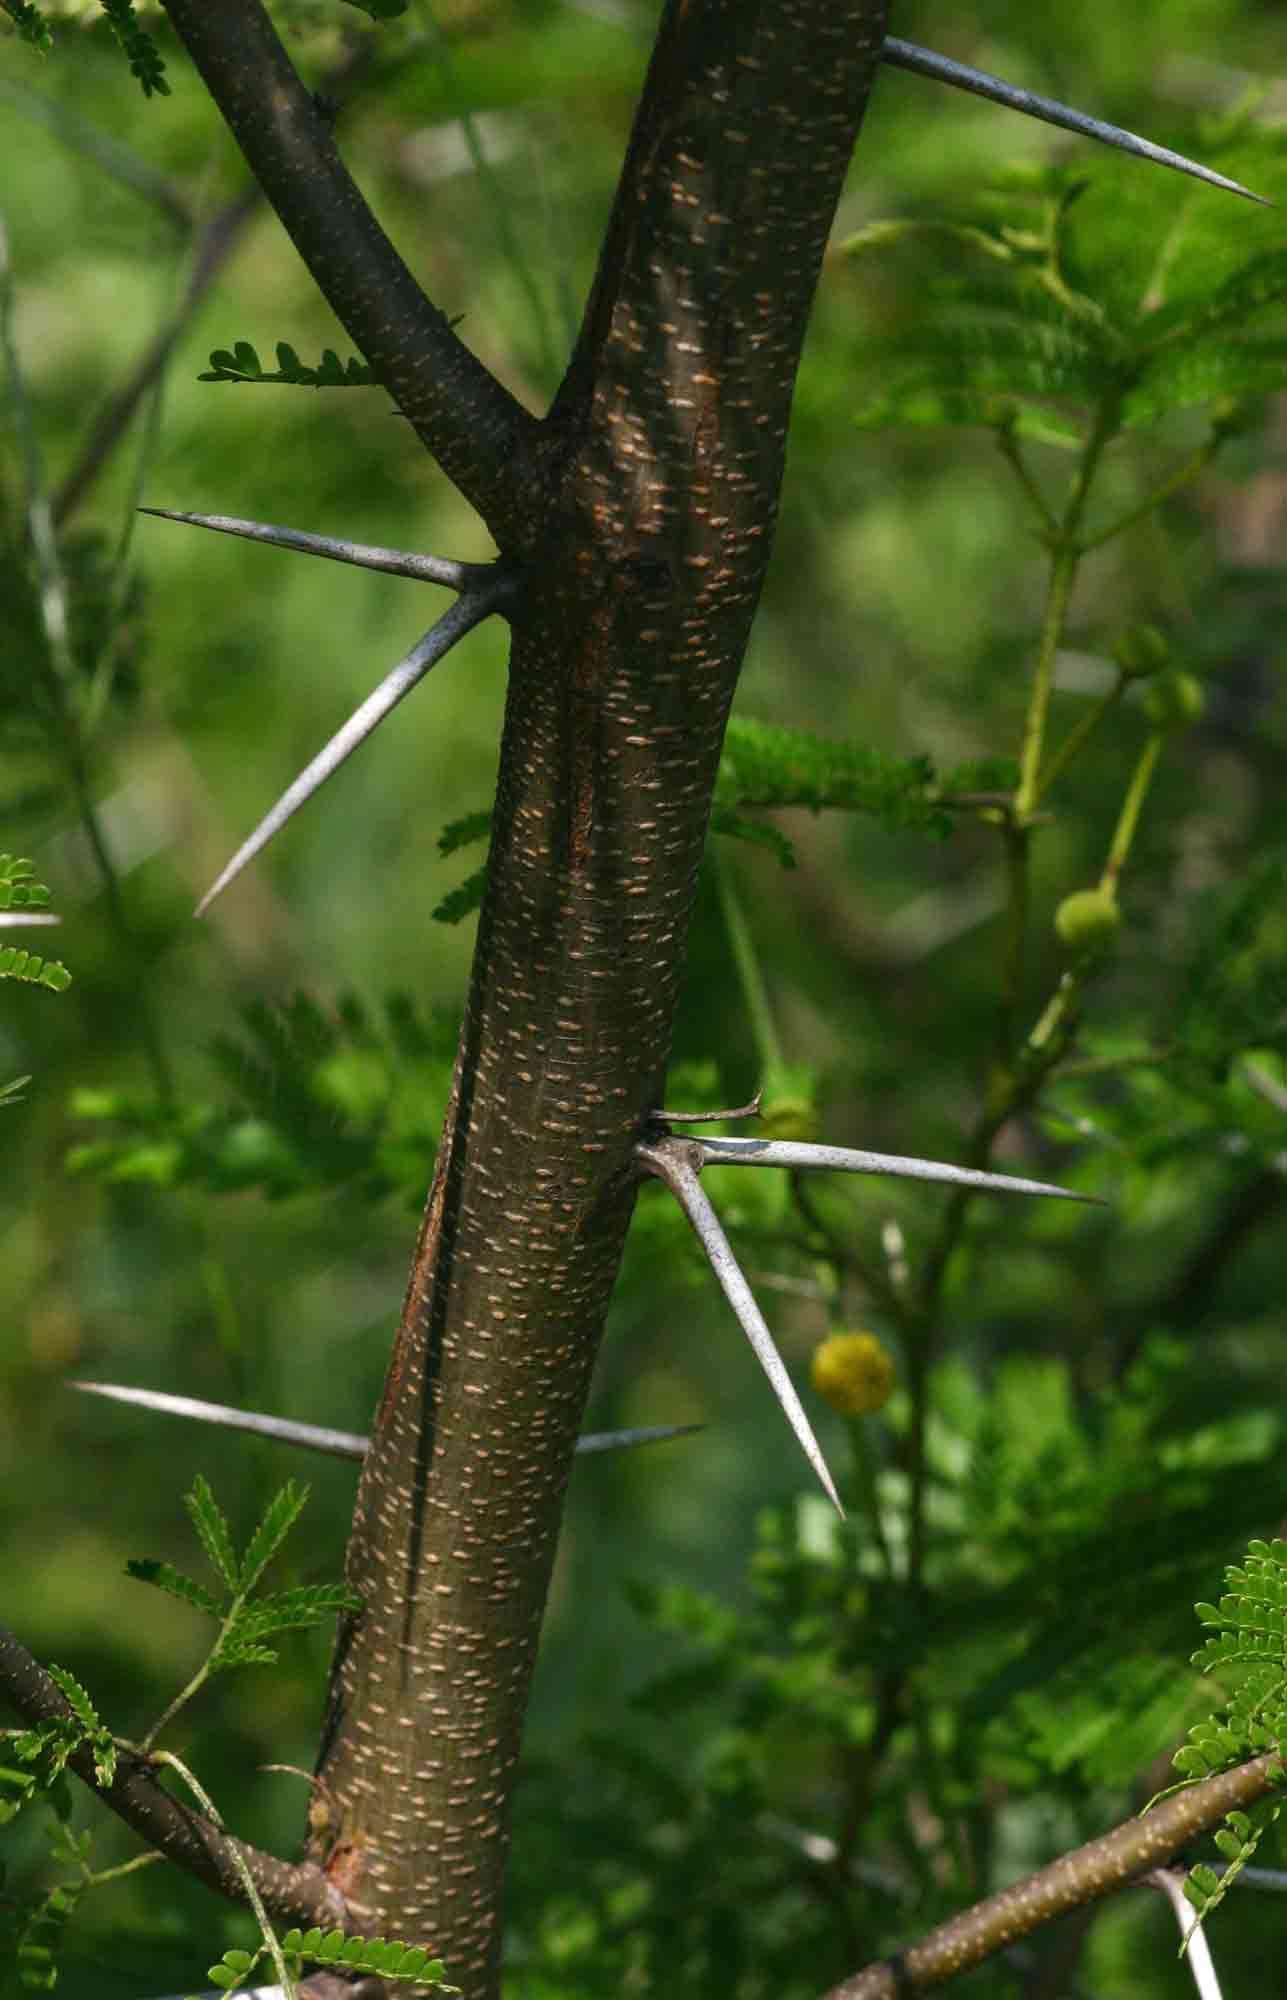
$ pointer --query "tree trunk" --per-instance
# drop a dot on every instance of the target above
(641, 512)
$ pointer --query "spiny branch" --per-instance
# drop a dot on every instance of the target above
(923, 62)
(300, 1893)
(1100, 1868)
(337, 1444)
(469, 610)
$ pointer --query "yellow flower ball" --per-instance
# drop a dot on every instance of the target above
(854, 1372)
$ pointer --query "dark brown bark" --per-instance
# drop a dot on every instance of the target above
(472, 425)
(183, 1836)
(642, 511)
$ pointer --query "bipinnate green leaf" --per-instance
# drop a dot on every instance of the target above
(145, 1569)
(291, 1610)
(280, 1516)
(234, 1650)
(213, 1531)
(81, 1705)
(464, 832)
(759, 832)
(241, 363)
(33, 970)
(1248, 1654)
(19, 890)
(462, 901)
(17, 1789)
(765, 764)
(388, 1959)
(144, 58)
(31, 24)
(36, 1956)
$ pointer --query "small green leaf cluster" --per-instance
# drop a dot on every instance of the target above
(245, 1624)
(40, 1922)
(315, 1100)
(768, 765)
(51, 1743)
(332, 1948)
(144, 58)
(1237, 1840)
(31, 24)
(34, 970)
(1037, 310)
(241, 363)
(765, 766)
(1247, 1654)
(19, 889)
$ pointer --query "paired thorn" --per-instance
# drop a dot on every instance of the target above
(469, 610)
(393, 562)
(924, 62)
(337, 1444)
(677, 1162)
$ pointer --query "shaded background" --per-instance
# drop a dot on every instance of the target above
(900, 610)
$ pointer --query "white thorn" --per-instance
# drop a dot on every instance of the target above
(460, 618)
(924, 62)
(798, 1154)
(335, 548)
(671, 1161)
(337, 1444)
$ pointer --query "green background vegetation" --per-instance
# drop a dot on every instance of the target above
(711, 1679)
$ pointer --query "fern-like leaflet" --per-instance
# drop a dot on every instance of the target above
(245, 1623)
(141, 52)
(1247, 1652)
(241, 363)
(377, 1956)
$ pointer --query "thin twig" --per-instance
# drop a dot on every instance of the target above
(751, 1110)
(214, 246)
(1098, 1869)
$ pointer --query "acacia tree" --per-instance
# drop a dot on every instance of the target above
(633, 525)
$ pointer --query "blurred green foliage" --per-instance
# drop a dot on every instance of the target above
(756, 1755)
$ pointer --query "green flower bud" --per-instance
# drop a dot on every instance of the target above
(1087, 922)
(1174, 701)
(1141, 650)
